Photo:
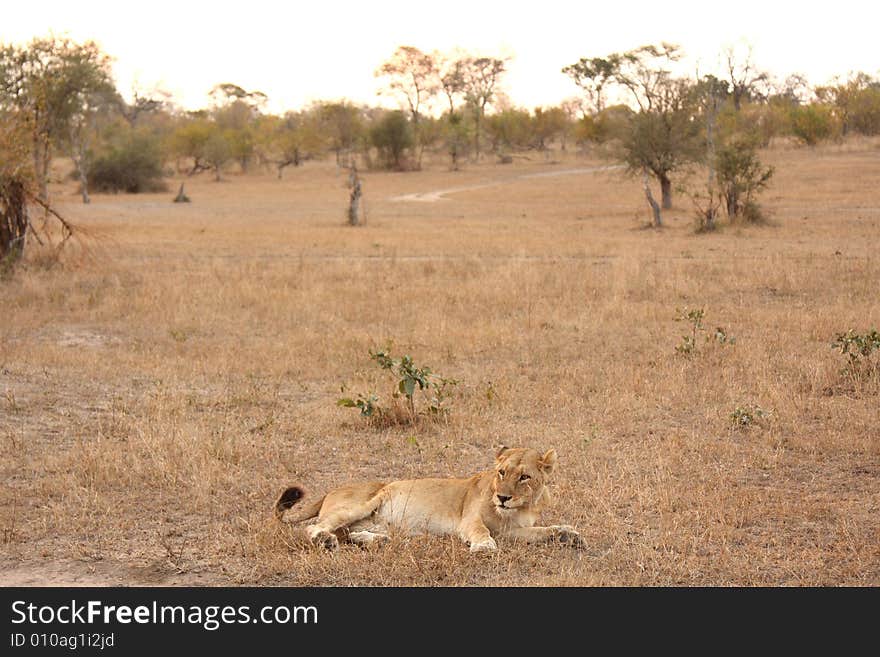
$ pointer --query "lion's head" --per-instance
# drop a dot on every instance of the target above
(520, 479)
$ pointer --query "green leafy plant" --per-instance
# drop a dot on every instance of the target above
(368, 405)
(441, 390)
(744, 417)
(409, 379)
(858, 349)
(694, 317)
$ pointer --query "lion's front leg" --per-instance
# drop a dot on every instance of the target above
(561, 533)
(475, 532)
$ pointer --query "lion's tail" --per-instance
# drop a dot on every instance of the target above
(293, 495)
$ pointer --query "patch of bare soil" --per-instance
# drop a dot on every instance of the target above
(80, 573)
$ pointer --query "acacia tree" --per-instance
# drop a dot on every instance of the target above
(662, 138)
(412, 75)
(48, 83)
(480, 77)
(190, 141)
(235, 111)
(593, 75)
(293, 138)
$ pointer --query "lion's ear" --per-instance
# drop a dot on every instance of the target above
(548, 462)
(501, 451)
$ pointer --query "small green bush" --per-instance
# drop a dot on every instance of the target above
(858, 349)
(747, 416)
(133, 166)
(741, 176)
(694, 317)
(408, 380)
(812, 123)
(392, 136)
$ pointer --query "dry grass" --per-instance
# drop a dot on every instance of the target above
(153, 402)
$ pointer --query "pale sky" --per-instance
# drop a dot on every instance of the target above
(296, 51)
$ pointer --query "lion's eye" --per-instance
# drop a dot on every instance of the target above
(501, 473)
(525, 477)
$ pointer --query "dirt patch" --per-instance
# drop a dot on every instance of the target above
(79, 573)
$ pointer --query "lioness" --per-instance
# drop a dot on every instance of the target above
(504, 501)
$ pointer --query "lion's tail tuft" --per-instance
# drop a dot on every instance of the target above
(288, 498)
(292, 496)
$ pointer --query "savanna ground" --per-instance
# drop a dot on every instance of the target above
(155, 398)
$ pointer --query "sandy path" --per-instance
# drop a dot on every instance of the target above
(439, 194)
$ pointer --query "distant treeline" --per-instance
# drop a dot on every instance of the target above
(58, 97)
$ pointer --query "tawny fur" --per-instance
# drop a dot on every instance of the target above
(503, 502)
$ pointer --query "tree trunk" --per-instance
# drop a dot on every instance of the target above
(79, 161)
(417, 135)
(666, 192)
(13, 219)
(655, 209)
(732, 197)
(712, 110)
(354, 183)
(41, 167)
(181, 196)
(477, 122)
(83, 183)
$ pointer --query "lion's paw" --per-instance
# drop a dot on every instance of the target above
(324, 539)
(569, 535)
(369, 539)
(486, 545)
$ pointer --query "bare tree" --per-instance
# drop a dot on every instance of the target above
(745, 80)
(142, 104)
